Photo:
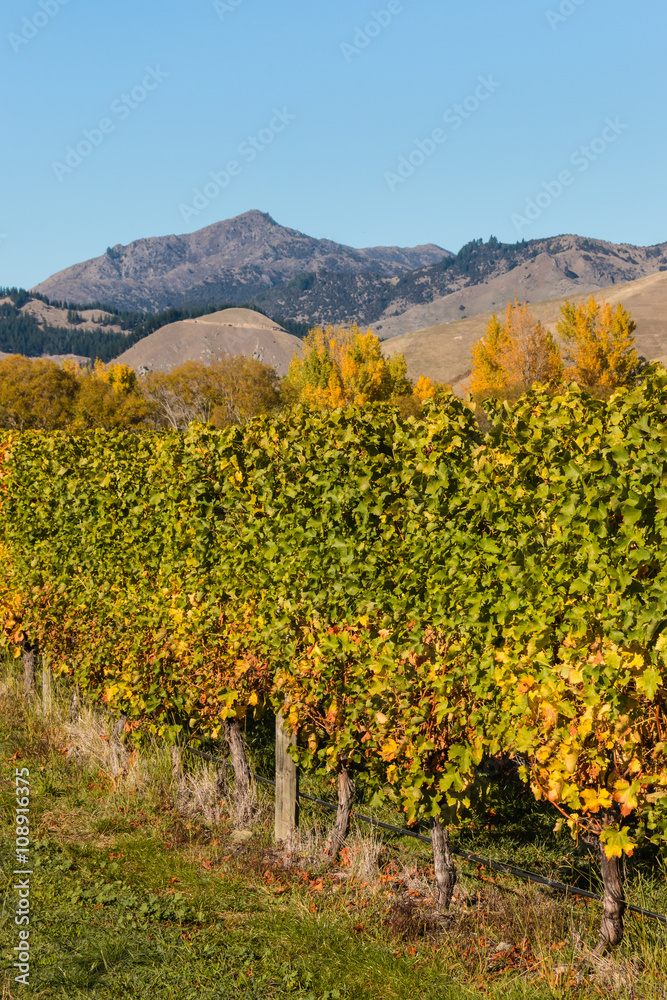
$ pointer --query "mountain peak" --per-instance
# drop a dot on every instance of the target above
(232, 260)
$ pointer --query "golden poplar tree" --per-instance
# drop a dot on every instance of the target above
(428, 389)
(488, 377)
(513, 356)
(108, 397)
(599, 345)
(346, 367)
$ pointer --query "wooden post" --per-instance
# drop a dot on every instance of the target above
(29, 654)
(47, 687)
(287, 787)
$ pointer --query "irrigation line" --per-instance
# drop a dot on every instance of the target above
(500, 866)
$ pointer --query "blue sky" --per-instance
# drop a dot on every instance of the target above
(332, 98)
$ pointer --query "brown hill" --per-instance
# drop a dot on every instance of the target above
(231, 331)
(442, 351)
(479, 278)
(558, 267)
(48, 315)
(230, 261)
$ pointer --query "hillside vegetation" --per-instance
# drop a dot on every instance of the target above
(444, 350)
(32, 325)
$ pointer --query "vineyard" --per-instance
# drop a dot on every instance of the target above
(420, 601)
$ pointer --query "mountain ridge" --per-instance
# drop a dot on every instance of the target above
(480, 277)
(443, 349)
(231, 260)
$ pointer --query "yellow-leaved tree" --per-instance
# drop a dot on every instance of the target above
(36, 393)
(599, 345)
(342, 367)
(514, 355)
(108, 397)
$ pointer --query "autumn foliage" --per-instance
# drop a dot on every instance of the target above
(346, 367)
(599, 346)
(38, 394)
(416, 598)
(514, 355)
(230, 390)
(598, 351)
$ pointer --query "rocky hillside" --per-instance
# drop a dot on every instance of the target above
(232, 261)
(481, 277)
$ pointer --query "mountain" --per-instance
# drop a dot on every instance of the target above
(231, 261)
(482, 276)
(231, 331)
(442, 351)
(252, 260)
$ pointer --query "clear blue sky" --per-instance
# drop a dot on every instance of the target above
(359, 104)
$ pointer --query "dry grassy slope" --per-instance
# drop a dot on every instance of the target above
(443, 351)
(550, 275)
(231, 331)
(51, 316)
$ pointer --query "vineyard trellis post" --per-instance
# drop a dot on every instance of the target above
(29, 655)
(287, 787)
(47, 687)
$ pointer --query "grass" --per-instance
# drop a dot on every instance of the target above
(141, 889)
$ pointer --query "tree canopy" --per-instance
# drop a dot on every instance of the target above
(599, 345)
(598, 351)
(513, 356)
(346, 367)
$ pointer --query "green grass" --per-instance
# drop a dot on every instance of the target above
(132, 897)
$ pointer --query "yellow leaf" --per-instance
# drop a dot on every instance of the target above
(616, 843)
(596, 800)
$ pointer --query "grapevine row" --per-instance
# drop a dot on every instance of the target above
(415, 597)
